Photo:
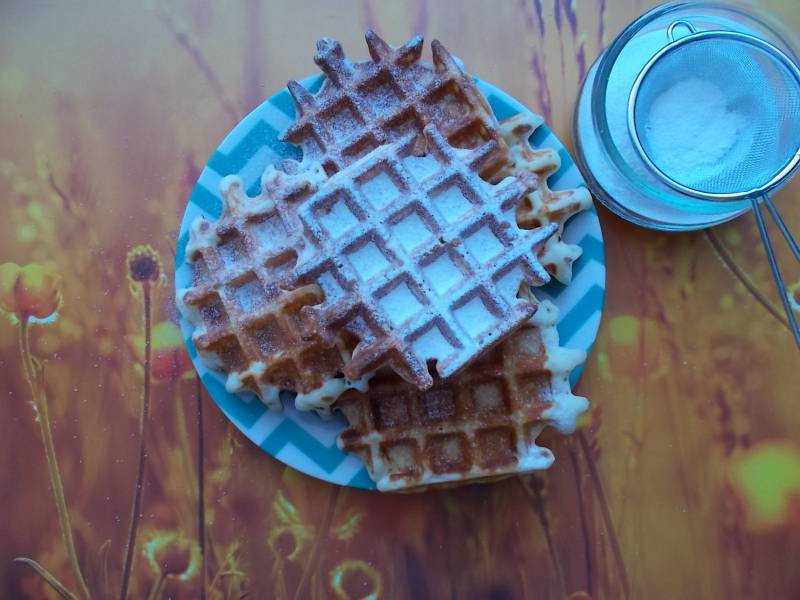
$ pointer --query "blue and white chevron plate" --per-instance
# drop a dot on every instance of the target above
(302, 440)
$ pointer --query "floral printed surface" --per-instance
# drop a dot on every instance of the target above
(120, 477)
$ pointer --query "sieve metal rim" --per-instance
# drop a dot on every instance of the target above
(675, 44)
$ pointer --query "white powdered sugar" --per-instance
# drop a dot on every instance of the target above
(691, 130)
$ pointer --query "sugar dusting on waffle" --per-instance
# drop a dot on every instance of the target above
(365, 104)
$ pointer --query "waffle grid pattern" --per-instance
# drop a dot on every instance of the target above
(366, 104)
(244, 299)
(426, 266)
(480, 425)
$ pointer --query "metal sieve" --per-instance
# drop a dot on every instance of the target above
(716, 115)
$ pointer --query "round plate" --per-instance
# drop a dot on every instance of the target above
(303, 440)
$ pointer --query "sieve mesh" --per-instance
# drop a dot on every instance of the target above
(719, 115)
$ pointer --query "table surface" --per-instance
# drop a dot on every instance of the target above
(682, 482)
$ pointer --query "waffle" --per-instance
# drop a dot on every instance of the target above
(543, 206)
(397, 260)
(419, 258)
(479, 425)
(365, 104)
(244, 302)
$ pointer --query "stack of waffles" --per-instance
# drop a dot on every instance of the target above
(388, 274)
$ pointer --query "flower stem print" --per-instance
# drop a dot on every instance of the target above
(155, 592)
(587, 546)
(144, 269)
(594, 477)
(228, 574)
(54, 583)
(201, 495)
(725, 256)
(34, 375)
(185, 41)
(533, 486)
(102, 561)
(34, 291)
(143, 419)
(319, 541)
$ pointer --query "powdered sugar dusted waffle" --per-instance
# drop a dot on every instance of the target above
(365, 104)
(396, 260)
(543, 206)
(419, 258)
(245, 298)
(480, 424)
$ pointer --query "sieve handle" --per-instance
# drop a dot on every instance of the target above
(675, 24)
(773, 262)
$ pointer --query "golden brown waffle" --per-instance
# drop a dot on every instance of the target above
(365, 104)
(478, 425)
(396, 260)
(245, 300)
(543, 206)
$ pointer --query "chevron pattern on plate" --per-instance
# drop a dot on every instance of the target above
(302, 440)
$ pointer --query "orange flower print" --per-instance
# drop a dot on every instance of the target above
(33, 290)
